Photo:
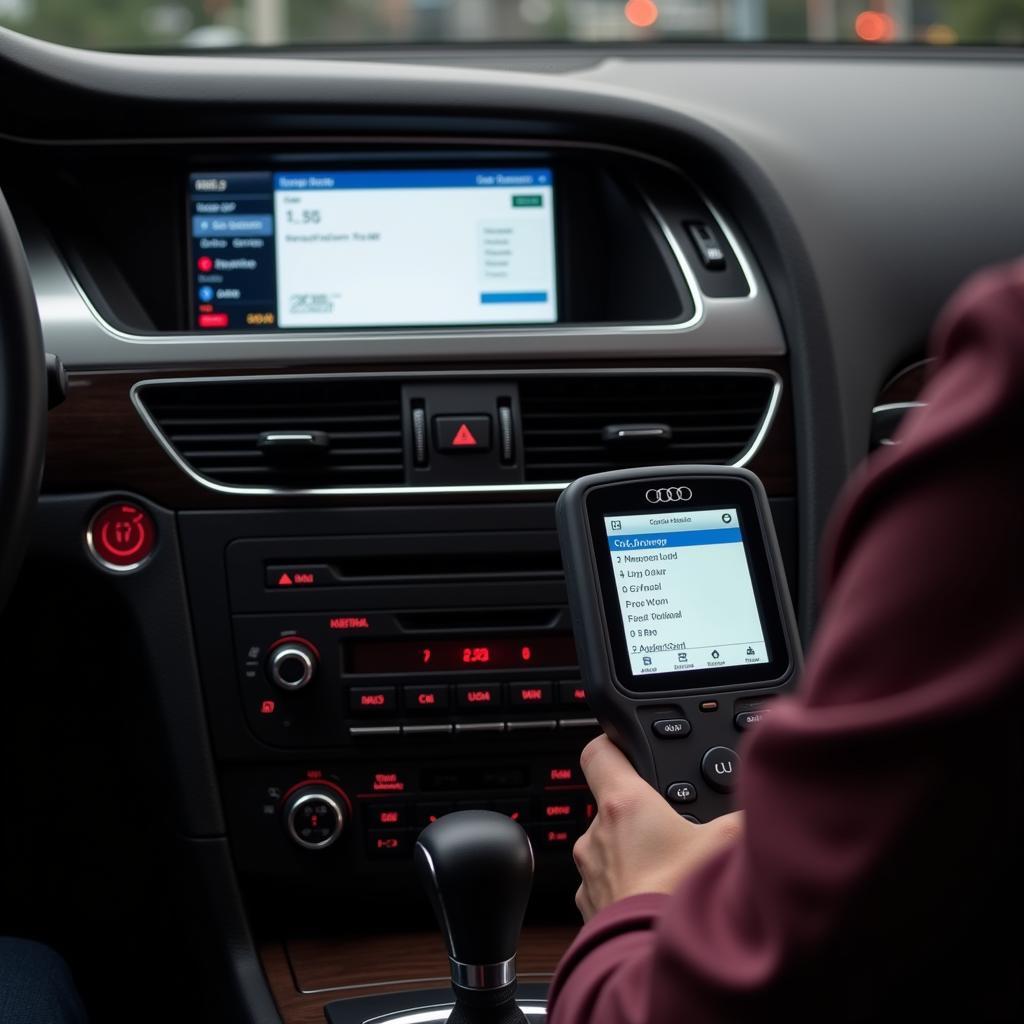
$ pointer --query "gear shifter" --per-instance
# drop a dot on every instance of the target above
(477, 867)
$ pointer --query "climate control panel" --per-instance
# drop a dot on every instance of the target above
(365, 816)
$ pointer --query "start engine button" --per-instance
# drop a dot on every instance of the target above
(121, 537)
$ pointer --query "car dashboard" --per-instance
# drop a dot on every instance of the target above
(306, 530)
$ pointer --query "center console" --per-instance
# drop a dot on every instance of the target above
(369, 670)
(399, 665)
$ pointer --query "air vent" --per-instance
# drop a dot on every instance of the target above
(254, 434)
(587, 424)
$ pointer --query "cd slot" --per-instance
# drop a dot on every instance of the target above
(293, 565)
(485, 618)
(432, 566)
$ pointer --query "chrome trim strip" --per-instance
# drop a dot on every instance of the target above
(440, 1013)
(534, 723)
(341, 332)
(438, 980)
(888, 442)
(684, 268)
(440, 729)
(766, 423)
(577, 723)
(413, 335)
(890, 406)
(741, 256)
(483, 976)
(745, 457)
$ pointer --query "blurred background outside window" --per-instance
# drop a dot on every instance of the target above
(176, 24)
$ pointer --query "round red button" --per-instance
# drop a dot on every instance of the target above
(121, 536)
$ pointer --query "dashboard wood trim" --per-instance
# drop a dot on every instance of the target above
(306, 973)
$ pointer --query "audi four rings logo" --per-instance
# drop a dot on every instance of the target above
(662, 494)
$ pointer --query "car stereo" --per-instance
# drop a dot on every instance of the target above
(679, 606)
(318, 249)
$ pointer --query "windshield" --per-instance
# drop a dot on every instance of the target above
(177, 24)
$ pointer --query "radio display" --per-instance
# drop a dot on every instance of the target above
(460, 655)
(319, 249)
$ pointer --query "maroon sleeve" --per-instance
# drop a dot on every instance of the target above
(876, 798)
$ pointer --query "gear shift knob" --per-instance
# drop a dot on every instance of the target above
(477, 868)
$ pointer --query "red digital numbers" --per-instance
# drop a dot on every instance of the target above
(464, 654)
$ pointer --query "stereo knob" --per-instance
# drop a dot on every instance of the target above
(315, 815)
(293, 664)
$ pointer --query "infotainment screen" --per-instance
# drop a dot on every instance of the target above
(685, 593)
(319, 249)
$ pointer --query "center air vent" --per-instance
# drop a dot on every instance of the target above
(588, 424)
(339, 433)
(285, 434)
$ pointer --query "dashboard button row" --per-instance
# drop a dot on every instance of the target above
(573, 807)
(473, 697)
(397, 844)
(553, 823)
(469, 728)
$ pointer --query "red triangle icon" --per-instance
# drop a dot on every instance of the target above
(464, 437)
(284, 580)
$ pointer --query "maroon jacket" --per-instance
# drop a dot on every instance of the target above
(879, 871)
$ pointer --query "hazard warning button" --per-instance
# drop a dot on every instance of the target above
(295, 577)
(462, 433)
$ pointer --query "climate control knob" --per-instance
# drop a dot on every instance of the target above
(292, 664)
(315, 815)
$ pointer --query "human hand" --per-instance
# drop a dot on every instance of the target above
(637, 843)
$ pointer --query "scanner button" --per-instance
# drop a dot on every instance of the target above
(681, 792)
(720, 766)
(671, 728)
(748, 719)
